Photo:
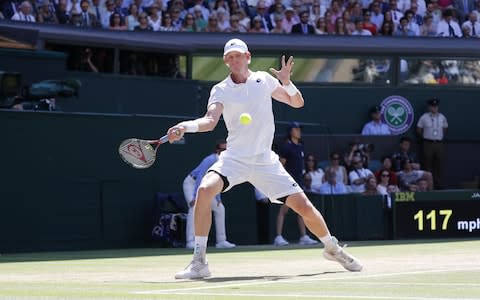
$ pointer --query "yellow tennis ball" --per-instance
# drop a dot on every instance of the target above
(245, 119)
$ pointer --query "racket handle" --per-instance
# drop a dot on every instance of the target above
(164, 138)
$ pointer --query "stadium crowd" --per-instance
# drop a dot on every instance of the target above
(440, 18)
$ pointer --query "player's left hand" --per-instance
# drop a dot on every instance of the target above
(284, 74)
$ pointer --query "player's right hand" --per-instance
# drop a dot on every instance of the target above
(175, 133)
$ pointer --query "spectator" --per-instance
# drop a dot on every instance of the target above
(447, 27)
(303, 27)
(428, 28)
(143, 23)
(244, 18)
(359, 29)
(463, 8)
(73, 7)
(275, 10)
(384, 186)
(88, 19)
(116, 22)
(75, 19)
(97, 10)
(291, 156)
(307, 183)
(376, 126)
(332, 186)
(358, 176)
(404, 152)
(61, 13)
(132, 19)
(110, 5)
(204, 12)
(349, 24)
(472, 25)
(368, 24)
(432, 127)
(24, 13)
(265, 21)
(356, 11)
(177, 18)
(154, 17)
(321, 26)
(223, 19)
(257, 26)
(370, 187)
(377, 15)
(419, 7)
(316, 174)
(340, 27)
(387, 29)
(412, 23)
(387, 168)
(278, 21)
(396, 13)
(336, 10)
(408, 177)
(329, 22)
(476, 11)
(403, 28)
(200, 20)
(45, 15)
(167, 23)
(434, 11)
(9, 8)
(212, 25)
(190, 187)
(189, 23)
(418, 18)
(422, 185)
(290, 19)
(315, 12)
(335, 166)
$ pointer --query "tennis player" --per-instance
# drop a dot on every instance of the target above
(249, 156)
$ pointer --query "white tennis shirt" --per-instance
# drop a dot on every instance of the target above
(253, 97)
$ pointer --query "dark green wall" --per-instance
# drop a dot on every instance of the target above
(65, 187)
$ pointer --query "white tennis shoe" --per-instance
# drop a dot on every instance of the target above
(195, 270)
(339, 255)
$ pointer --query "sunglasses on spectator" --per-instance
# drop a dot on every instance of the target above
(385, 175)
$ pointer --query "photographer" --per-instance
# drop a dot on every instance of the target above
(362, 151)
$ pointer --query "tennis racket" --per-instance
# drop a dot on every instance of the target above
(139, 153)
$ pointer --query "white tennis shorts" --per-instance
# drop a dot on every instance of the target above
(265, 172)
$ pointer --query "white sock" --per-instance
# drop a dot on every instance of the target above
(200, 250)
(328, 242)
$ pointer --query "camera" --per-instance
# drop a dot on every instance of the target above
(37, 96)
(366, 147)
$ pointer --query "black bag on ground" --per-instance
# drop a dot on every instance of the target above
(170, 219)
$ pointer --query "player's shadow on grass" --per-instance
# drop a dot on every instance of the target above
(267, 278)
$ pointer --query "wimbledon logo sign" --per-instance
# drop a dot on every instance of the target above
(397, 113)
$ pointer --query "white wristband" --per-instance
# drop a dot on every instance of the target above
(291, 89)
(190, 126)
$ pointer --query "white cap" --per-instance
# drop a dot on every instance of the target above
(235, 45)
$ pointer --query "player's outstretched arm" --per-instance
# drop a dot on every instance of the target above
(206, 123)
(288, 92)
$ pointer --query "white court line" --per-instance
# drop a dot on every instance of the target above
(415, 283)
(182, 291)
(316, 296)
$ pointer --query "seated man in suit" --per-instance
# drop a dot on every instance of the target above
(303, 27)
